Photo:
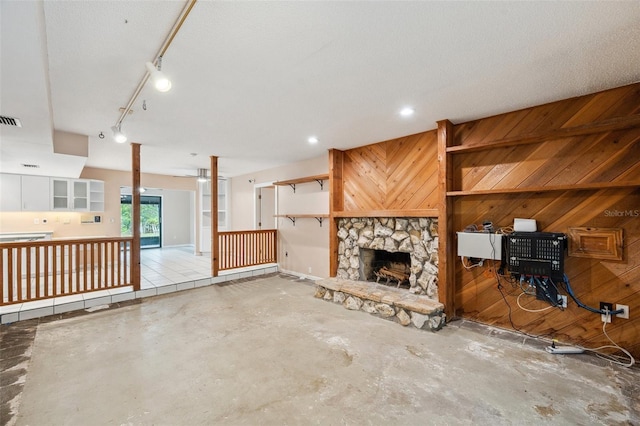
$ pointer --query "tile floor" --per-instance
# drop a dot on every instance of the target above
(163, 270)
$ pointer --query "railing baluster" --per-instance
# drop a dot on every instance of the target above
(27, 253)
(19, 273)
(112, 281)
(2, 280)
(102, 284)
(70, 255)
(246, 248)
(119, 263)
(10, 274)
(37, 272)
(54, 272)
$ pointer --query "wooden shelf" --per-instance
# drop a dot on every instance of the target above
(388, 213)
(293, 182)
(293, 217)
(617, 123)
(576, 187)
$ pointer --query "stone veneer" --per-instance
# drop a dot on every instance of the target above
(383, 301)
(416, 236)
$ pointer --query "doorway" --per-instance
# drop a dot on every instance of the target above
(265, 201)
(150, 220)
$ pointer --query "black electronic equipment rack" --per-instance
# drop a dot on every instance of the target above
(539, 254)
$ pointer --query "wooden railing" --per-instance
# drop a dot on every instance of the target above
(43, 269)
(238, 249)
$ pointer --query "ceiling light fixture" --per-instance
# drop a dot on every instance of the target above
(407, 111)
(160, 81)
(118, 136)
(312, 140)
(202, 175)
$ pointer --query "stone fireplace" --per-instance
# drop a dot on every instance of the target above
(385, 266)
(415, 237)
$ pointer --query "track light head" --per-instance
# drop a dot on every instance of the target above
(118, 136)
(160, 81)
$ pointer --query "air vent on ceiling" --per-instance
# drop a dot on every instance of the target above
(10, 121)
(30, 166)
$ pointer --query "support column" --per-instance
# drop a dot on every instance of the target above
(336, 204)
(446, 279)
(135, 215)
(215, 246)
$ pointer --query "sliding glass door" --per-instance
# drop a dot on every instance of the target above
(150, 220)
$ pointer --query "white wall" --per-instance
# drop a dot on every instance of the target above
(303, 248)
(177, 216)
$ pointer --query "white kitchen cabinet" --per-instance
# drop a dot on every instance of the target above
(41, 193)
(10, 197)
(60, 199)
(35, 194)
(70, 194)
(96, 195)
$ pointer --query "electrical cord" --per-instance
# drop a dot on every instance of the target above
(470, 267)
(531, 310)
(567, 286)
(608, 357)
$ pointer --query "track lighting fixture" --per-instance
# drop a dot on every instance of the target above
(160, 81)
(118, 136)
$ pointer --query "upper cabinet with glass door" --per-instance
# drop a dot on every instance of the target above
(77, 195)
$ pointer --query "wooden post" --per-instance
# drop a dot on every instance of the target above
(215, 245)
(336, 204)
(135, 216)
(446, 257)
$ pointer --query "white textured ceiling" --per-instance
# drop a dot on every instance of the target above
(253, 80)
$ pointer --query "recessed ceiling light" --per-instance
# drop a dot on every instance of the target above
(313, 140)
(407, 111)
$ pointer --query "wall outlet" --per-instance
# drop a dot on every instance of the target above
(625, 314)
(309, 269)
(562, 301)
(36, 221)
(604, 306)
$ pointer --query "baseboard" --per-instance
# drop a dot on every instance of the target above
(299, 274)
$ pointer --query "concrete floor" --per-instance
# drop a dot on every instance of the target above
(265, 351)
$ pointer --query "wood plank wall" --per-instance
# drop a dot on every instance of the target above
(593, 139)
(611, 156)
(400, 174)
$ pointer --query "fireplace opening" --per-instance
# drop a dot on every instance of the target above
(384, 267)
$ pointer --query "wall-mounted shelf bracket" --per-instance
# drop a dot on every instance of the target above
(293, 182)
(319, 219)
(291, 218)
